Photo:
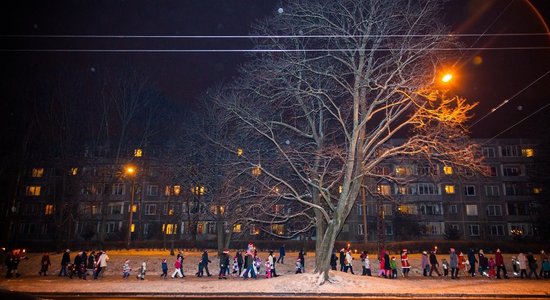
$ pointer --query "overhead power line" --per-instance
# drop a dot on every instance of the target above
(518, 48)
(509, 99)
(81, 36)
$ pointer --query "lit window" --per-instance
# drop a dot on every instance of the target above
(169, 228)
(198, 190)
(138, 152)
(278, 229)
(33, 190)
(528, 152)
(48, 209)
(340, 189)
(74, 171)
(448, 170)
(537, 190)
(177, 190)
(254, 230)
(449, 189)
(133, 227)
(384, 189)
(471, 210)
(240, 151)
(134, 208)
(37, 172)
(237, 228)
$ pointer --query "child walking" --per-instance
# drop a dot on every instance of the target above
(126, 269)
(142, 270)
(445, 266)
(177, 269)
(164, 266)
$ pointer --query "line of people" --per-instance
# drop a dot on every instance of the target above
(458, 263)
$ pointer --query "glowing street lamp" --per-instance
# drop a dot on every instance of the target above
(130, 171)
(447, 77)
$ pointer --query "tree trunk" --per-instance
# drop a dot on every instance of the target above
(323, 254)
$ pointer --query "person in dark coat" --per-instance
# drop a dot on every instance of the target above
(83, 265)
(434, 263)
(65, 260)
(282, 253)
(205, 261)
(90, 265)
(45, 263)
(472, 260)
(483, 263)
(342, 260)
(240, 262)
(224, 265)
(333, 260)
(532, 264)
(301, 255)
(499, 261)
(76, 265)
(387, 264)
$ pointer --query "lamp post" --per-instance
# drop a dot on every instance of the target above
(130, 171)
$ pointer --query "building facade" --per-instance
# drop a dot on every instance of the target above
(91, 199)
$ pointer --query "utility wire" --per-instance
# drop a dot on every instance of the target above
(271, 50)
(509, 99)
(80, 36)
(517, 123)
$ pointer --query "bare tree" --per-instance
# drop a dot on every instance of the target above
(333, 82)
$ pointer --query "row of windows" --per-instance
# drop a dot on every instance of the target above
(512, 209)
(508, 151)
(509, 188)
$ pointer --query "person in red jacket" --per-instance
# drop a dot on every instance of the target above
(499, 261)
(405, 265)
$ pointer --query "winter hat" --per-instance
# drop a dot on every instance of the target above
(452, 249)
(424, 252)
(481, 251)
(498, 250)
(405, 250)
(226, 251)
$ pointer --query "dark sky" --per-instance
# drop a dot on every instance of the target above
(494, 76)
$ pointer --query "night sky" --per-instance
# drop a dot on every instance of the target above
(485, 76)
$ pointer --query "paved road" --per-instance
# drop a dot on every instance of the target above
(251, 296)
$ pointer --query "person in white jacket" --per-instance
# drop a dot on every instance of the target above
(348, 263)
(522, 262)
(101, 264)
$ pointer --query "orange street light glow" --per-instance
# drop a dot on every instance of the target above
(130, 170)
(447, 77)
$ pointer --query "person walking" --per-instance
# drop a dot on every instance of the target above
(333, 260)
(65, 260)
(405, 265)
(533, 266)
(224, 265)
(282, 253)
(180, 255)
(45, 263)
(301, 257)
(542, 257)
(240, 261)
(522, 263)
(249, 266)
(342, 259)
(142, 271)
(177, 268)
(472, 261)
(453, 263)
(164, 267)
(272, 261)
(499, 261)
(126, 269)
(483, 263)
(348, 262)
(434, 263)
(101, 264)
(205, 261)
(425, 263)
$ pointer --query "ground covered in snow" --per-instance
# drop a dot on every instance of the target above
(342, 283)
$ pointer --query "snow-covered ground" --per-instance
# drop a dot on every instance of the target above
(287, 283)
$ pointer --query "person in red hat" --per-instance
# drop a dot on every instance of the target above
(405, 265)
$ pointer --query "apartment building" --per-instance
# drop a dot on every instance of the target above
(92, 197)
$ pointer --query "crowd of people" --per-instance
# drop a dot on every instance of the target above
(248, 264)
(457, 265)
